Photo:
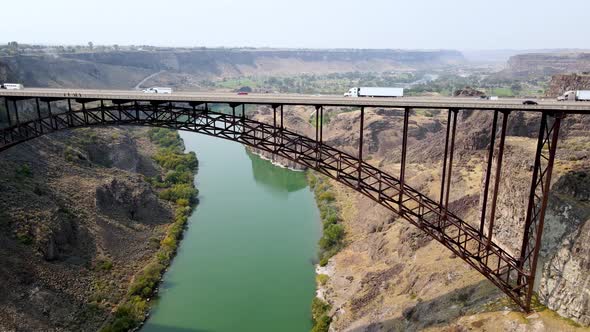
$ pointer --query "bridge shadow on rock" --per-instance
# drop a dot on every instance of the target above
(277, 179)
(438, 312)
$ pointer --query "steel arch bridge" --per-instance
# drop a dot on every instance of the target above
(513, 274)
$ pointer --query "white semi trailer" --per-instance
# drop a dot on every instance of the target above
(374, 92)
(157, 90)
(577, 95)
(12, 86)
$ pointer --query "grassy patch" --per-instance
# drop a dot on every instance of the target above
(322, 279)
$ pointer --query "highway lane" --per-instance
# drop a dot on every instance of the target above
(310, 100)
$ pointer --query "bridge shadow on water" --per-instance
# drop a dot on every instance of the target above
(440, 311)
(277, 179)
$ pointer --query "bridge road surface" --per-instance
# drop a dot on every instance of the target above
(310, 100)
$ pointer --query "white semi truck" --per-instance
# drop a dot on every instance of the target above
(12, 86)
(576, 95)
(157, 90)
(374, 92)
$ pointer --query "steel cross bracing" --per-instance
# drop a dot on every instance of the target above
(513, 275)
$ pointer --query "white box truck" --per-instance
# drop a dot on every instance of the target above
(374, 92)
(12, 86)
(157, 90)
(577, 95)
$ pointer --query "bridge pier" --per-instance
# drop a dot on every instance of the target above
(360, 153)
(538, 198)
(497, 178)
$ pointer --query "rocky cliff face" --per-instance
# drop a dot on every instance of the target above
(124, 69)
(74, 229)
(565, 82)
(391, 277)
(548, 63)
(565, 286)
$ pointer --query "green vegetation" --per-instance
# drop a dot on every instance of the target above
(179, 167)
(177, 186)
(322, 279)
(330, 243)
(333, 232)
(319, 315)
(23, 171)
(104, 264)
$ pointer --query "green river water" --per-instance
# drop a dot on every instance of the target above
(246, 261)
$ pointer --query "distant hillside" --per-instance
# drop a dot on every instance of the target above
(123, 69)
(543, 64)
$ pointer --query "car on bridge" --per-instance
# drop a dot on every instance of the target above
(530, 102)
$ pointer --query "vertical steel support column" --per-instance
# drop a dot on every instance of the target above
(402, 172)
(444, 170)
(85, 113)
(360, 154)
(102, 110)
(317, 135)
(282, 126)
(51, 122)
(321, 126)
(136, 110)
(497, 178)
(535, 216)
(451, 154)
(243, 112)
(70, 119)
(274, 128)
(7, 112)
(16, 112)
(39, 115)
(16, 116)
(488, 173)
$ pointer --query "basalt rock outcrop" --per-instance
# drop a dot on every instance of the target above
(566, 82)
(74, 229)
(131, 199)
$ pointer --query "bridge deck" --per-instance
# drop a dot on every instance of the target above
(295, 99)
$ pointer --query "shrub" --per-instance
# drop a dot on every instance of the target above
(322, 279)
(146, 280)
(24, 171)
(333, 234)
(319, 315)
(179, 191)
(104, 264)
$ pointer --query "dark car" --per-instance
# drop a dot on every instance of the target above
(530, 102)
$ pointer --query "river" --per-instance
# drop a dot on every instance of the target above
(246, 260)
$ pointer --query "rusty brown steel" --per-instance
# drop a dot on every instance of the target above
(497, 178)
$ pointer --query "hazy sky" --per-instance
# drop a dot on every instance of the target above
(432, 24)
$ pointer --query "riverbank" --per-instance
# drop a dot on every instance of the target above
(331, 242)
(175, 184)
